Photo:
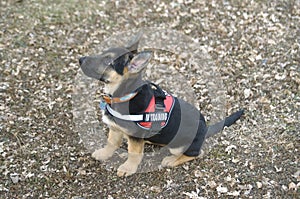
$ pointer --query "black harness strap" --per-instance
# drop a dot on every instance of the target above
(159, 96)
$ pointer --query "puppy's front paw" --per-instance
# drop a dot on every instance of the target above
(102, 154)
(127, 169)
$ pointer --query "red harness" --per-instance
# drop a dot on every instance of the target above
(168, 102)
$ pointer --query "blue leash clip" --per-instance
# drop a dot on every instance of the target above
(102, 105)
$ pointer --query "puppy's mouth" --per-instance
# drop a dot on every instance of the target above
(103, 78)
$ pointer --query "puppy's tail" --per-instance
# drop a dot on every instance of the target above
(228, 121)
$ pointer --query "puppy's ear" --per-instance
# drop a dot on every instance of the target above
(139, 62)
(133, 44)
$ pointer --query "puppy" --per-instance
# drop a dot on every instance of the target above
(141, 111)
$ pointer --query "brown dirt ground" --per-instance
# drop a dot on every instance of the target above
(255, 45)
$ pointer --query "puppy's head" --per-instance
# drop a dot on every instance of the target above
(116, 64)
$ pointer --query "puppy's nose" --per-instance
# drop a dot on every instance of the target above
(81, 59)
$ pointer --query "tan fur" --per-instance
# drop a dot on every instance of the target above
(135, 150)
(115, 80)
(113, 142)
(125, 70)
(175, 160)
(148, 142)
(135, 156)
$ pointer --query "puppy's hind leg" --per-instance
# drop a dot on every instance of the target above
(113, 142)
(176, 159)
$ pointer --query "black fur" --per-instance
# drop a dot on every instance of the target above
(121, 62)
(228, 121)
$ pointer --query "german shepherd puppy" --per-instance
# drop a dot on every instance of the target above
(142, 112)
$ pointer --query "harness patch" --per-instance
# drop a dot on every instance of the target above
(155, 117)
